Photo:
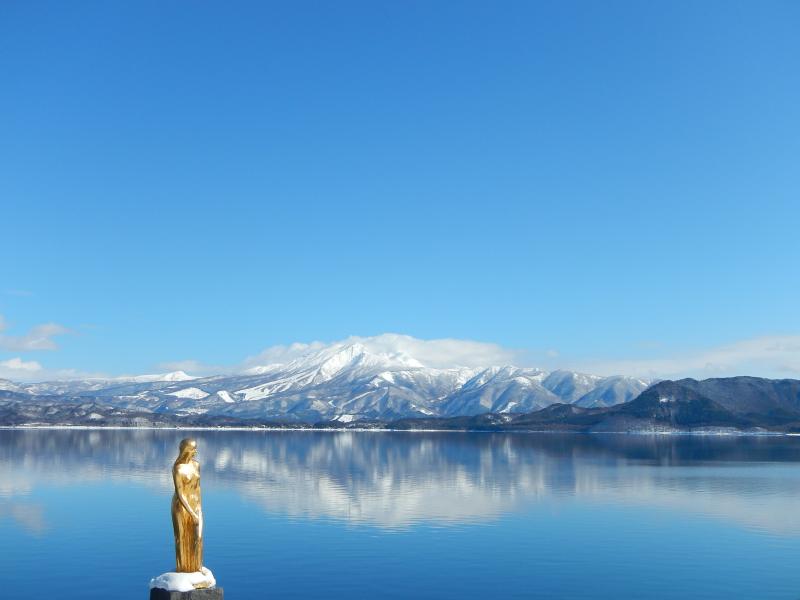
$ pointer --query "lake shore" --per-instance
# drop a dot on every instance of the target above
(327, 429)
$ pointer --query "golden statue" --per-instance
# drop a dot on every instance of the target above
(187, 523)
(187, 510)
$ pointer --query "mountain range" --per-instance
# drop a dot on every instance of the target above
(341, 382)
(349, 385)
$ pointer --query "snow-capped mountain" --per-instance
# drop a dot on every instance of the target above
(110, 385)
(347, 381)
(501, 389)
(610, 391)
(570, 386)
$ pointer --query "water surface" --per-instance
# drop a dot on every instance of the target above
(401, 515)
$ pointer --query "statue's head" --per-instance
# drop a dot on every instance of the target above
(188, 448)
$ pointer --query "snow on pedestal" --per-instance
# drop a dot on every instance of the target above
(184, 582)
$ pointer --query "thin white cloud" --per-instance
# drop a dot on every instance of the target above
(767, 356)
(17, 369)
(39, 337)
(16, 365)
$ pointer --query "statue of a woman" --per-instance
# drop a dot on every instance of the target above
(187, 522)
(187, 511)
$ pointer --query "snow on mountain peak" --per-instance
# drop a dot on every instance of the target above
(176, 376)
(263, 369)
(330, 360)
(337, 361)
(390, 349)
(172, 376)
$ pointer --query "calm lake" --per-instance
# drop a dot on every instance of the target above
(86, 514)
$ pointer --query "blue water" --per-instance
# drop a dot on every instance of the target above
(407, 515)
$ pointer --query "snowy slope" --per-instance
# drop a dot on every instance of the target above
(613, 390)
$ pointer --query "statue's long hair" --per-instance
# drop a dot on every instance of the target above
(185, 450)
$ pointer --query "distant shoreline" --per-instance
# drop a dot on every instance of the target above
(392, 430)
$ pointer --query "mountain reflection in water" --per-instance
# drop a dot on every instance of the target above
(398, 480)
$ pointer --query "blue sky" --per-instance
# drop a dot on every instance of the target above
(585, 183)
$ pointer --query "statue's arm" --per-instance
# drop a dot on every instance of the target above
(199, 512)
(179, 492)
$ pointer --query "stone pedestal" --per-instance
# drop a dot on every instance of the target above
(207, 594)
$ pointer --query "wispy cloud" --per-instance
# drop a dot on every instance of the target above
(768, 356)
(39, 337)
(16, 366)
(18, 369)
